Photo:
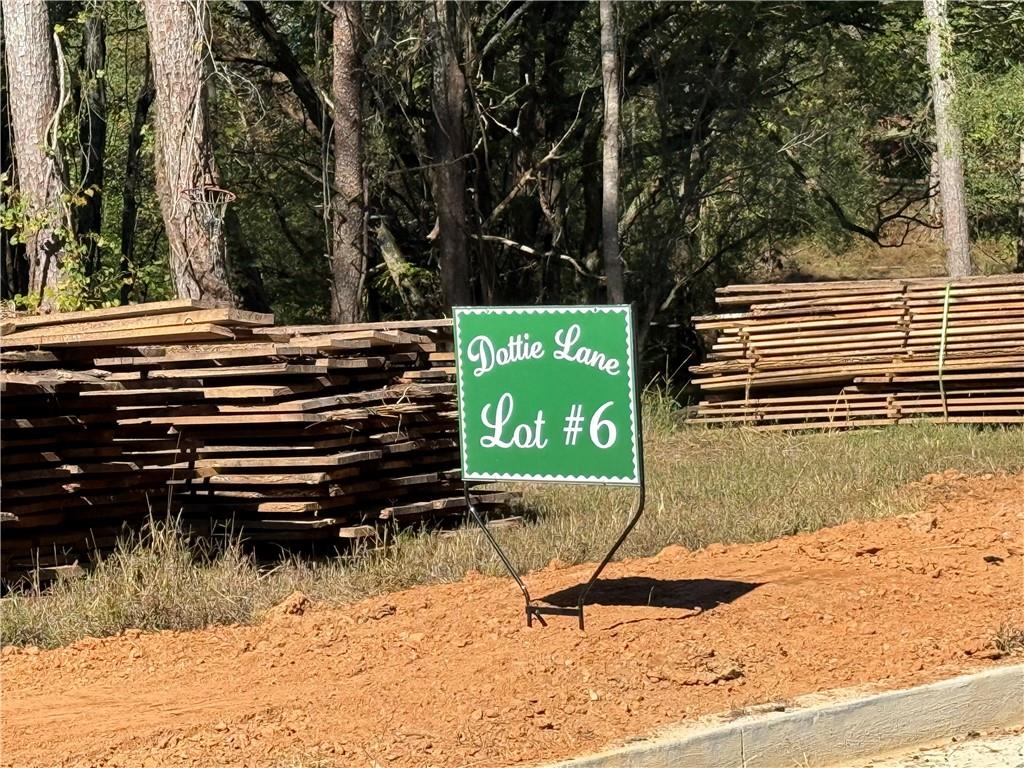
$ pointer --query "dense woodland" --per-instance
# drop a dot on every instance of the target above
(391, 159)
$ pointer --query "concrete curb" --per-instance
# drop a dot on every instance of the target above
(823, 734)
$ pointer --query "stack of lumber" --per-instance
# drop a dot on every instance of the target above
(60, 462)
(862, 353)
(300, 435)
(68, 486)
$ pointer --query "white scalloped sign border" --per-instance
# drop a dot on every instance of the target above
(626, 311)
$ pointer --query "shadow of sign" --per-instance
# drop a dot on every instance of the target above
(702, 594)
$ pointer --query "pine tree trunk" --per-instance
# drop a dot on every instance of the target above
(247, 279)
(34, 102)
(934, 198)
(92, 136)
(448, 149)
(1020, 208)
(949, 143)
(590, 237)
(14, 265)
(184, 154)
(610, 160)
(348, 256)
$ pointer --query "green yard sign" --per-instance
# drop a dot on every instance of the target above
(548, 394)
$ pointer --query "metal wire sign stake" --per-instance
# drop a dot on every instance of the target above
(548, 395)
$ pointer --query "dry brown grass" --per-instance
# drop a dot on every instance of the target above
(1009, 640)
(705, 485)
(921, 256)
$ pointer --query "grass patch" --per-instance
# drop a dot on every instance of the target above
(153, 580)
(1009, 640)
(922, 255)
(704, 485)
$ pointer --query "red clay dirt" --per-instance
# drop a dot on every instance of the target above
(450, 675)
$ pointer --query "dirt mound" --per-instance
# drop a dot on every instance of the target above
(450, 675)
(295, 604)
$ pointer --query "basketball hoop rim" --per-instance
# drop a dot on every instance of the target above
(189, 194)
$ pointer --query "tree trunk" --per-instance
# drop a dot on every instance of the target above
(348, 256)
(14, 267)
(184, 154)
(92, 136)
(590, 237)
(610, 159)
(949, 143)
(398, 269)
(934, 197)
(130, 203)
(34, 105)
(246, 276)
(1020, 208)
(448, 149)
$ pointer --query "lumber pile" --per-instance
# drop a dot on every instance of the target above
(60, 461)
(863, 353)
(305, 436)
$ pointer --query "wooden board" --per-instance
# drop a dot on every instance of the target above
(197, 332)
(127, 310)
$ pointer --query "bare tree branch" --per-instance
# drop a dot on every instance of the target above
(285, 61)
(874, 233)
(534, 252)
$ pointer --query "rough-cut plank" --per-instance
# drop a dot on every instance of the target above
(864, 286)
(18, 357)
(128, 310)
(404, 325)
(197, 332)
(277, 462)
(224, 317)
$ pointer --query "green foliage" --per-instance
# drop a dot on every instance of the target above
(988, 62)
(715, 95)
(991, 110)
(424, 281)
